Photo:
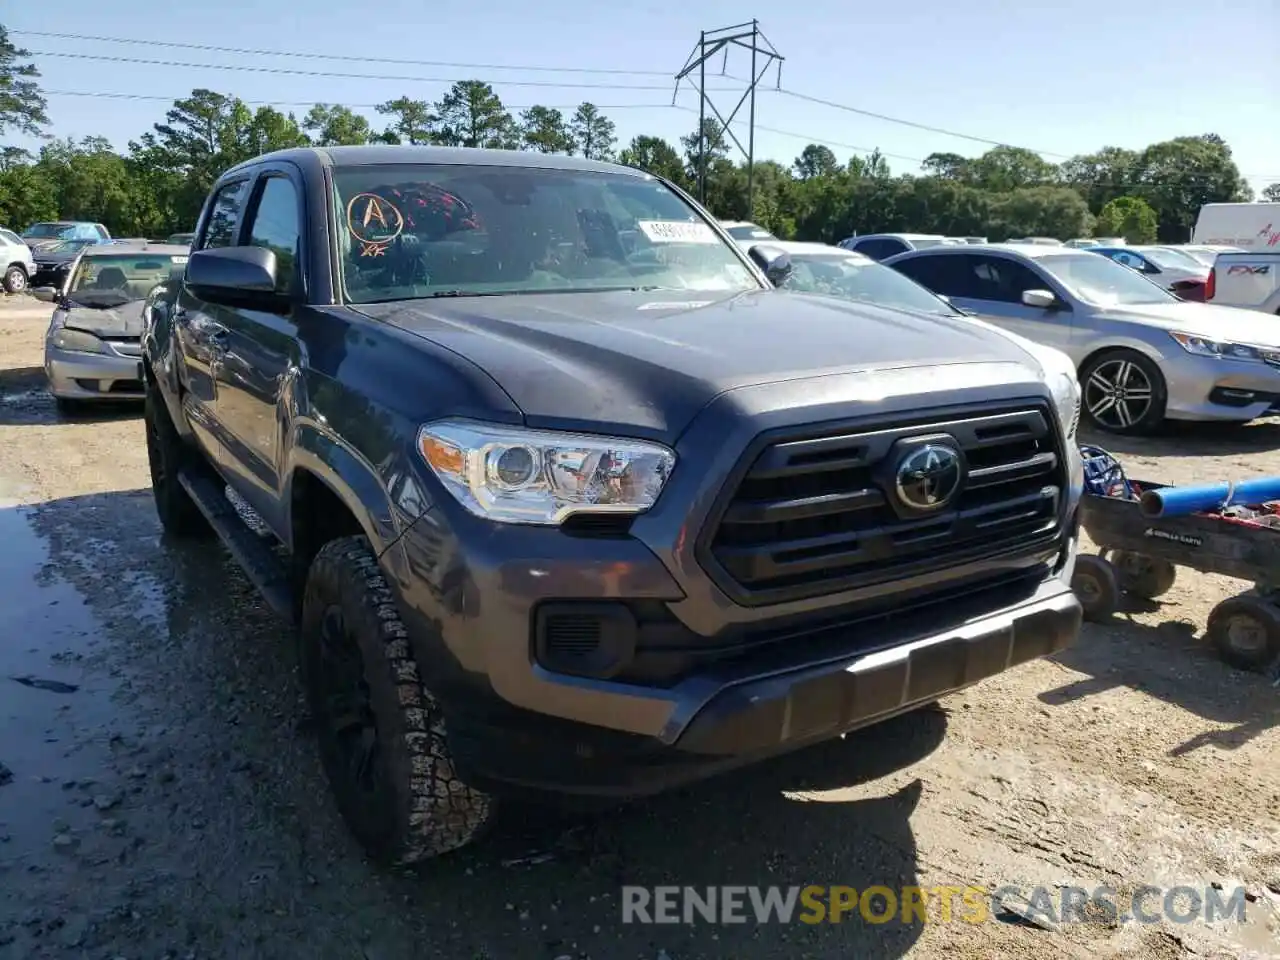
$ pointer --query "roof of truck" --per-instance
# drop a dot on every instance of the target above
(390, 154)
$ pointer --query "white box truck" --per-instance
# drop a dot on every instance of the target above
(1251, 227)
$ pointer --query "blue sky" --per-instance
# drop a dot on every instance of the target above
(1027, 72)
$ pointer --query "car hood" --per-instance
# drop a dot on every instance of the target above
(44, 255)
(651, 361)
(113, 322)
(1204, 320)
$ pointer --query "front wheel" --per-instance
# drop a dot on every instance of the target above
(382, 733)
(1124, 392)
(15, 280)
(166, 456)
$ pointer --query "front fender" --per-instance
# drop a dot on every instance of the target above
(160, 352)
(349, 476)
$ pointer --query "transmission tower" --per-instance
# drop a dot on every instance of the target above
(749, 37)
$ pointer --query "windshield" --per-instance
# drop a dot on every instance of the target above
(118, 279)
(1172, 259)
(458, 230)
(749, 231)
(856, 278)
(1102, 281)
(67, 246)
(49, 231)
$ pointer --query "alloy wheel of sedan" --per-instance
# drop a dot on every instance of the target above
(1124, 393)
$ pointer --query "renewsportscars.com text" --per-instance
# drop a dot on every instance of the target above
(912, 905)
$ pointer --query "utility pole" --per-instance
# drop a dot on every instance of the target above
(749, 37)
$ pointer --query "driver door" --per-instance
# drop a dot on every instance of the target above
(201, 327)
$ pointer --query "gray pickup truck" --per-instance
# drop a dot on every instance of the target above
(564, 496)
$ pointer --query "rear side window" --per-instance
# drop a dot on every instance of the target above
(9, 237)
(275, 227)
(221, 229)
(880, 249)
(949, 275)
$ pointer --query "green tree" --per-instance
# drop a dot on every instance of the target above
(1128, 217)
(594, 134)
(1010, 168)
(545, 130)
(412, 121)
(1179, 176)
(815, 160)
(1040, 212)
(23, 107)
(1271, 193)
(656, 156)
(948, 166)
(1101, 176)
(472, 115)
(333, 125)
(26, 196)
(272, 130)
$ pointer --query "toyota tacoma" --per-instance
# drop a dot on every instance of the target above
(565, 496)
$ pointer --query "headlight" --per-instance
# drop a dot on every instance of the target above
(1222, 349)
(76, 340)
(514, 475)
(1060, 377)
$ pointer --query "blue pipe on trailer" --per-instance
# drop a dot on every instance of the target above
(1181, 501)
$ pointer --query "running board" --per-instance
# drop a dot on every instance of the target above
(267, 570)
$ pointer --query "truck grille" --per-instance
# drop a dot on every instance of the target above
(818, 513)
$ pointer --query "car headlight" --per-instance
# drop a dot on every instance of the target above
(1222, 349)
(515, 475)
(76, 340)
(1060, 377)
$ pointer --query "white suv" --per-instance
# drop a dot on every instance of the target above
(16, 261)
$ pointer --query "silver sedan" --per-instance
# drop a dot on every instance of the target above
(1143, 354)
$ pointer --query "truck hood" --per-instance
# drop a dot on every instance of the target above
(651, 361)
(1204, 320)
(111, 323)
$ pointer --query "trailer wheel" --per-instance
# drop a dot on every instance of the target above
(1144, 576)
(1246, 631)
(1096, 585)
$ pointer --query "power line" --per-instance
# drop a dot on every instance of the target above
(529, 68)
(338, 56)
(354, 106)
(243, 68)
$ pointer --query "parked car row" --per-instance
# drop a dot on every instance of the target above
(1144, 355)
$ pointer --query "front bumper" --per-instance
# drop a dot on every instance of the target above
(1202, 388)
(751, 718)
(91, 376)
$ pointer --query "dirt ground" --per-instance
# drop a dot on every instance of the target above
(165, 799)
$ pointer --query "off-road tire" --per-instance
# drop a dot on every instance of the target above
(1245, 630)
(15, 280)
(423, 809)
(1106, 362)
(167, 455)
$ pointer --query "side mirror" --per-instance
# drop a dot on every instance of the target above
(1040, 299)
(233, 274)
(47, 294)
(774, 262)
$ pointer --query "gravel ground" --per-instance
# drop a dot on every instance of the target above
(164, 799)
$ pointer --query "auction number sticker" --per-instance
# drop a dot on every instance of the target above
(676, 231)
(179, 260)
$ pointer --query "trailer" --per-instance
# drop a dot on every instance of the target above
(1142, 557)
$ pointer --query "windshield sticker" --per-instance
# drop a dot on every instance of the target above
(675, 305)
(179, 260)
(375, 221)
(677, 231)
